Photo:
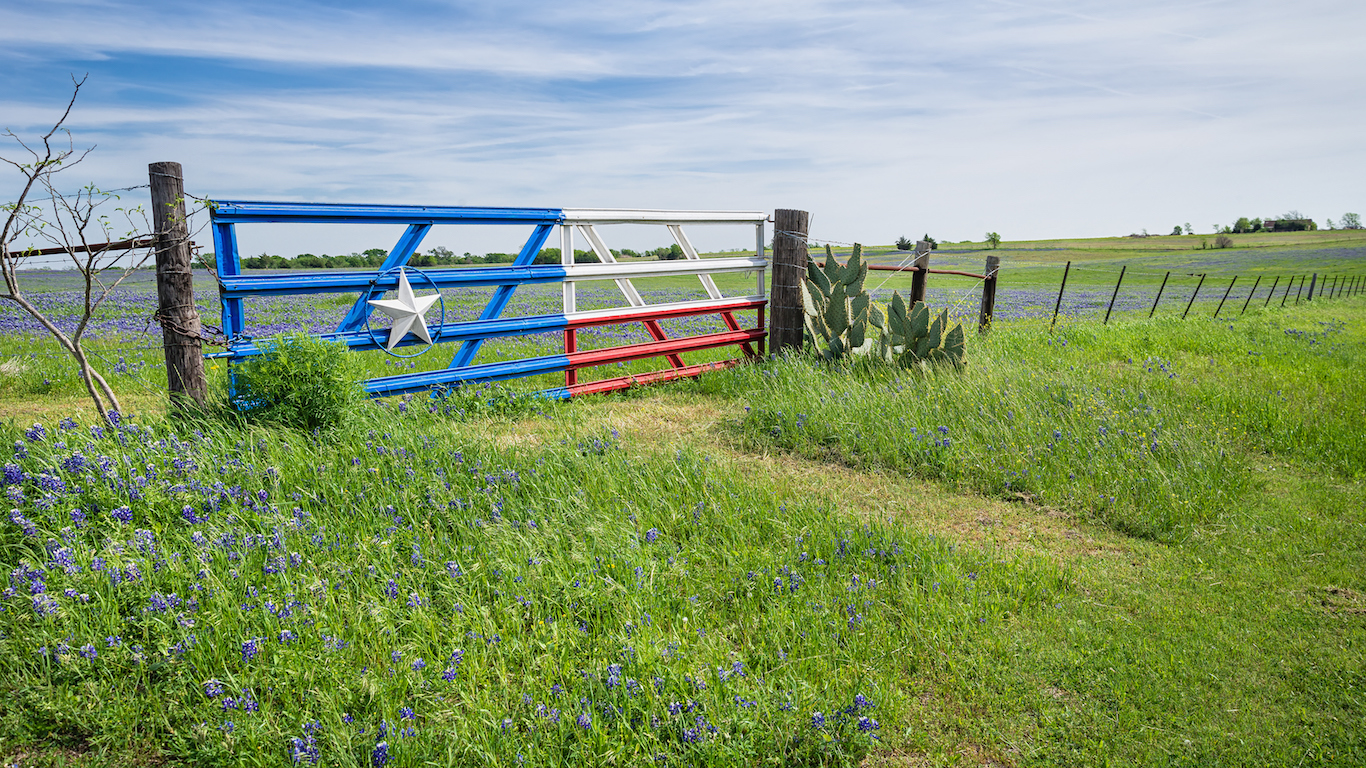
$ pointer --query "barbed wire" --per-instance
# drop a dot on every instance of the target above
(101, 191)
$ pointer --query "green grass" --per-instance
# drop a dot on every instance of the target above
(1014, 597)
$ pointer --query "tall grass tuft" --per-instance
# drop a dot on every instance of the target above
(299, 381)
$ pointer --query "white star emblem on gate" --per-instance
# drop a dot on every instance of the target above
(407, 311)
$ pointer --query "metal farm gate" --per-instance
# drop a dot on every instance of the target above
(371, 285)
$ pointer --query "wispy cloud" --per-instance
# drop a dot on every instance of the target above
(882, 118)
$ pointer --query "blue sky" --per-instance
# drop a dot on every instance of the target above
(1033, 119)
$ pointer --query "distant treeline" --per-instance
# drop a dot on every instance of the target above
(439, 257)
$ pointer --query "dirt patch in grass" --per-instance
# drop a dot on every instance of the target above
(1338, 601)
(666, 422)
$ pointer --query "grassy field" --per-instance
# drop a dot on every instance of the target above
(1138, 543)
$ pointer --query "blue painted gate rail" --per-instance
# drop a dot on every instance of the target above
(354, 330)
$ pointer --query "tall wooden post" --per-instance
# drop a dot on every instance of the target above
(789, 269)
(922, 271)
(1313, 281)
(988, 293)
(175, 288)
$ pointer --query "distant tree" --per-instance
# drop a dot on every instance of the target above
(1176, 230)
(934, 244)
(669, 254)
(1351, 221)
(904, 244)
(1329, 223)
(1242, 225)
(629, 252)
(1189, 231)
(993, 239)
(1223, 241)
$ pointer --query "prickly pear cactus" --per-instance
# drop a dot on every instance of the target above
(841, 321)
(911, 338)
(837, 308)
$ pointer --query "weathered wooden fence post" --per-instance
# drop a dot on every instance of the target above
(1272, 292)
(921, 265)
(1061, 288)
(1226, 293)
(1114, 295)
(1193, 295)
(989, 293)
(789, 269)
(1251, 293)
(176, 311)
(1159, 293)
(1299, 291)
(1313, 281)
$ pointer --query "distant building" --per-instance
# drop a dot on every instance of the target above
(1289, 225)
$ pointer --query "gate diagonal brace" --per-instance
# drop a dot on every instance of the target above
(708, 283)
(628, 289)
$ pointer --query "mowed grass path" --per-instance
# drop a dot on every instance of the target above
(1184, 587)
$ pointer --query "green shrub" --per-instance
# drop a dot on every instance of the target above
(299, 381)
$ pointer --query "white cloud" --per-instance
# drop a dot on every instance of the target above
(1034, 119)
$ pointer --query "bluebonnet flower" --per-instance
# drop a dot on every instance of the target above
(122, 514)
(23, 522)
(419, 665)
(651, 535)
(449, 674)
(585, 721)
(36, 433)
(43, 605)
(868, 724)
(227, 726)
(286, 637)
(250, 649)
(380, 756)
(453, 568)
(303, 750)
(457, 656)
(113, 641)
(213, 689)
(396, 656)
(89, 651)
(817, 720)
(406, 713)
(11, 474)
